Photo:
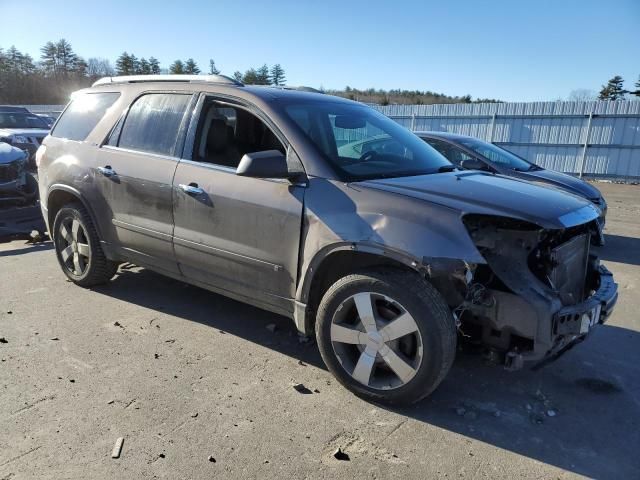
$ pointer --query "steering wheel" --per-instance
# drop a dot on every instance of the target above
(367, 156)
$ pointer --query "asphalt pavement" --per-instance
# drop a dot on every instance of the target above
(200, 386)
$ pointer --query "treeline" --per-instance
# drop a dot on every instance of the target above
(404, 97)
(59, 71)
(614, 89)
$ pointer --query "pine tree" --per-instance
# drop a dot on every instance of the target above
(144, 67)
(124, 64)
(135, 64)
(250, 77)
(177, 67)
(191, 67)
(277, 75)
(237, 75)
(613, 90)
(48, 58)
(263, 76)
(636, 92)
(154, 65)
(213, 70)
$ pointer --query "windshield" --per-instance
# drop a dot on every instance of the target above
(362, 144)
(21, 120)
(498, 155)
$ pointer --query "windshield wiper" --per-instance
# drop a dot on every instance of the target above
(447, 168)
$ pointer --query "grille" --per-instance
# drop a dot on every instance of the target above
(569, 271)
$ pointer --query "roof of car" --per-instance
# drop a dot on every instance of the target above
(263, 91)
(447, 135)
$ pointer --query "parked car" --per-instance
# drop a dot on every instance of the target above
(384, 257)
(472, 153)
(13, 109)
(16, 184)
(48, 119)
(22, 129)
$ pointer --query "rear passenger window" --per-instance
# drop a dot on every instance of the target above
(153, 122)
(83, 114)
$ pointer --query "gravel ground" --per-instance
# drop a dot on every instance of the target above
(199, 386)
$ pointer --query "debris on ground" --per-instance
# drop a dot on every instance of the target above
(117, 448)
(301, 363)
(271, 327)
(156, 355)
(36, 237)
(110, 402)
(299, 387)
(194, 414)
(340, 455)
(9, 312)
(117, 324)
(54, 339)
(3, 340)
(162, 455)
(211, 459)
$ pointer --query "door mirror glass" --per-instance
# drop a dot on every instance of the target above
(473, 164)
(266, 164)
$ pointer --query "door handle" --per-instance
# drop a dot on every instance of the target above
(191, 189)
(107, 171)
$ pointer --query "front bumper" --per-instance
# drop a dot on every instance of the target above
(572, 324)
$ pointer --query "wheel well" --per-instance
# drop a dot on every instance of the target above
(58, 199)
(341, 264)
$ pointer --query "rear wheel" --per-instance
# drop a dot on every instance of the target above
(386, 334)
(78, 247)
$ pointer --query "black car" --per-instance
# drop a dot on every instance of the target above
(473, 154)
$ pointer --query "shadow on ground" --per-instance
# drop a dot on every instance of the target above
(581, 413)
(621, 249)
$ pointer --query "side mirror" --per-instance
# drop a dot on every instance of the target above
(267, 164)
(473, 164)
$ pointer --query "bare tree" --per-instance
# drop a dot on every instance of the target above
(582, 95)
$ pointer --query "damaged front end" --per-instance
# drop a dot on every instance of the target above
(14, 180)
(540, 292)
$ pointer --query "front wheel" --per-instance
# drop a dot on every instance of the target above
(78, 247)
(386, 334)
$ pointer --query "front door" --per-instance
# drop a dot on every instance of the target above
(134, 175)
(240, 235)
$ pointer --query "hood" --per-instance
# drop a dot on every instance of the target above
(563, 181)
(10, 154)
(27, 132)
(483, 193)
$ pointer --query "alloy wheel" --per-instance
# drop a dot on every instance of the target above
(376, 340)
(75, 251)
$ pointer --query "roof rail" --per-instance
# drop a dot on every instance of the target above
(168, 78)
(300, 88)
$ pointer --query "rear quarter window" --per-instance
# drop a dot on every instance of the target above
(83, 114)
(153, 123)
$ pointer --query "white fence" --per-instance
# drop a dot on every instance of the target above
(596, 139)
(591, 139)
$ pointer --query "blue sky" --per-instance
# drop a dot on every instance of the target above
(509, 49)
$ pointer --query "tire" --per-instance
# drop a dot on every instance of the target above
(429, 351)
(73, 225)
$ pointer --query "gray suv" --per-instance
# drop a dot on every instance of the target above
(384, 255)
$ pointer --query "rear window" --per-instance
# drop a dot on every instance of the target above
(153, 122)
(83, 114)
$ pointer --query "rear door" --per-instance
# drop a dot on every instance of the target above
(240, 235)
(134, 174)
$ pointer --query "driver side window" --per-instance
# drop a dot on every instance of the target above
(450, 152)
(226, 133)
